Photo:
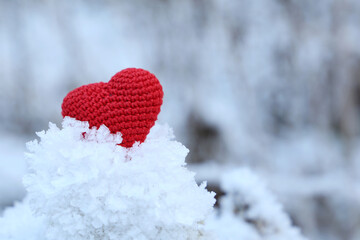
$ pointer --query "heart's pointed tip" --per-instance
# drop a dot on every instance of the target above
(126, 144)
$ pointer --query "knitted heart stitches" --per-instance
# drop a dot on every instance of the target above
(129, 103)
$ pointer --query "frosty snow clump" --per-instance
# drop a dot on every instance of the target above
(83, 185)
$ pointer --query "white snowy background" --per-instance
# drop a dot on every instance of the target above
(272, 85)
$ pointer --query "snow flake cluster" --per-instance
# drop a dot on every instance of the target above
(83, 185)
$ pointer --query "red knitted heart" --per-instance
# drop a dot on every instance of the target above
(129, 103)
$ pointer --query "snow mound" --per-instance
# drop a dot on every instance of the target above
(250, 211)
(85, 186)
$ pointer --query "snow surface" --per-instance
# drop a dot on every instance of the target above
(85, 186)
(82, 185)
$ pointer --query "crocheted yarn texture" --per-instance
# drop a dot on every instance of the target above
(129, 103)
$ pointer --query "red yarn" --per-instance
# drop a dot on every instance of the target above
(129, 103)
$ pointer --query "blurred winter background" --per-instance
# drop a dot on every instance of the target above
(273, 85)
